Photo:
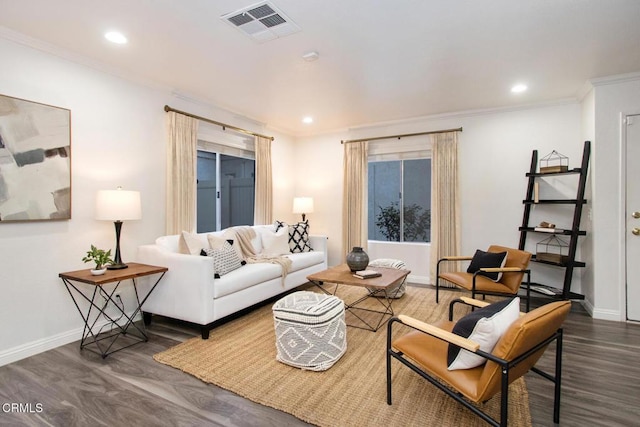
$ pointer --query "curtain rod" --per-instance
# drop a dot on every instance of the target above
(224, 126)
(346, 141)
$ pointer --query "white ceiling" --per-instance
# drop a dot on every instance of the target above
(380, 60)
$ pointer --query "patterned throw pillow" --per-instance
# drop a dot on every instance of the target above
(485, 326)
(298, 236)
(225, 259)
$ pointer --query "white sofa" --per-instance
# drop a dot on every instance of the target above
(190, 292)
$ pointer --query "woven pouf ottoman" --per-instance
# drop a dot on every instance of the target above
(310, 330)
(396, 291)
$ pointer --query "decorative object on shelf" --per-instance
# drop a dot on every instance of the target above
(547, 227)
(552, 249)
(554, 162)
(117, 206)
(100, 257)
(303, 205)
(36, 161)
(357, 259)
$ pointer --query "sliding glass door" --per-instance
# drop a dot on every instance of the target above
(225, 191)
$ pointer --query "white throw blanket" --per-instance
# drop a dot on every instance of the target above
(243, 236)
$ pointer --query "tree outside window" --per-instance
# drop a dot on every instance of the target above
(400, 200)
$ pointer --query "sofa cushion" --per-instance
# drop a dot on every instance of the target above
(305, 259)
(244, 277)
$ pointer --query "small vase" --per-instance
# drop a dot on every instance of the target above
(98, 272)
(357, 259)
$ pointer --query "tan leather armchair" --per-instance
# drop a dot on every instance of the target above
(513, 274)
(424, 350)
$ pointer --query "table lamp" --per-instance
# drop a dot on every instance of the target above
(303, 205)
(117, 206)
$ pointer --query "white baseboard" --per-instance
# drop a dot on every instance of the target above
(601, 314)
(32, 348)
(39, 346)
(420, 280)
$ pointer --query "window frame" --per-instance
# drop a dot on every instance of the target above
(399, 150)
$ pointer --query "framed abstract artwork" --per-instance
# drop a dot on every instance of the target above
(35, 161)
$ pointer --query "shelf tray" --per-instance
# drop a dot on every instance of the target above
(569, 172)
(563, 232)
(557, 292)
(575, 263)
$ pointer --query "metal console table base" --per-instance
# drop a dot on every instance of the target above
(379, 295)
(102, 343)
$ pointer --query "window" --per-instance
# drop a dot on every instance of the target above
(225, 191)
(399, 200)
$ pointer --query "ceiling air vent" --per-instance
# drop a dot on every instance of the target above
(261, 21)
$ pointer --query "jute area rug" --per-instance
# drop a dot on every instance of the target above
(240, 356)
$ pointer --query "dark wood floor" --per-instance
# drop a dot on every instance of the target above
(601, 384)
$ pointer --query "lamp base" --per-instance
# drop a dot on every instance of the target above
(119, 266)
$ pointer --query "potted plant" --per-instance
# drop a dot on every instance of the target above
(100, 257)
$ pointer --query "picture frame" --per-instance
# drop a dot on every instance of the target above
(35, 161)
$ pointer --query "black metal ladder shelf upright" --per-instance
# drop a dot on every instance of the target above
(575, 232)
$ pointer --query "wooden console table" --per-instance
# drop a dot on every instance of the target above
(104, 342)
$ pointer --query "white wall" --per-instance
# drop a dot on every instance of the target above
(612, 98)
(413, 254)
(588, 134)
(495, 154)
(118, 138)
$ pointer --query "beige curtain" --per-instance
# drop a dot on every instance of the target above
(182, 139)
(263, 210)
(445, 203)
(354, 204)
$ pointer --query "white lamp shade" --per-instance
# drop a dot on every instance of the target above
(302, 205)
(118, 205)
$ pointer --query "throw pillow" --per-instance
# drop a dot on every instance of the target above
(298, 236)
(484, 326)
(274, 243)
(225, 259)
(482, 259)
(216, 242)
(192, 243)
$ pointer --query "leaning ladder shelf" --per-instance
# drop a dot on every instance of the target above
(578, 203)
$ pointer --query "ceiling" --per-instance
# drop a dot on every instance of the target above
(378, 60)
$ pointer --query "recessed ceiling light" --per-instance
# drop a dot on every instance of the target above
(519, 88)
(307, 120)
(116, 37)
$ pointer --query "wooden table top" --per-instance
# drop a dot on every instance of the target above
(134, 270)
(342, 275)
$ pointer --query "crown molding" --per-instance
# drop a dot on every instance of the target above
(591, 84)
(467, 113)
(615, 79)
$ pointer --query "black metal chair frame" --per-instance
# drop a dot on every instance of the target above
(505, 365)
(527, 284)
